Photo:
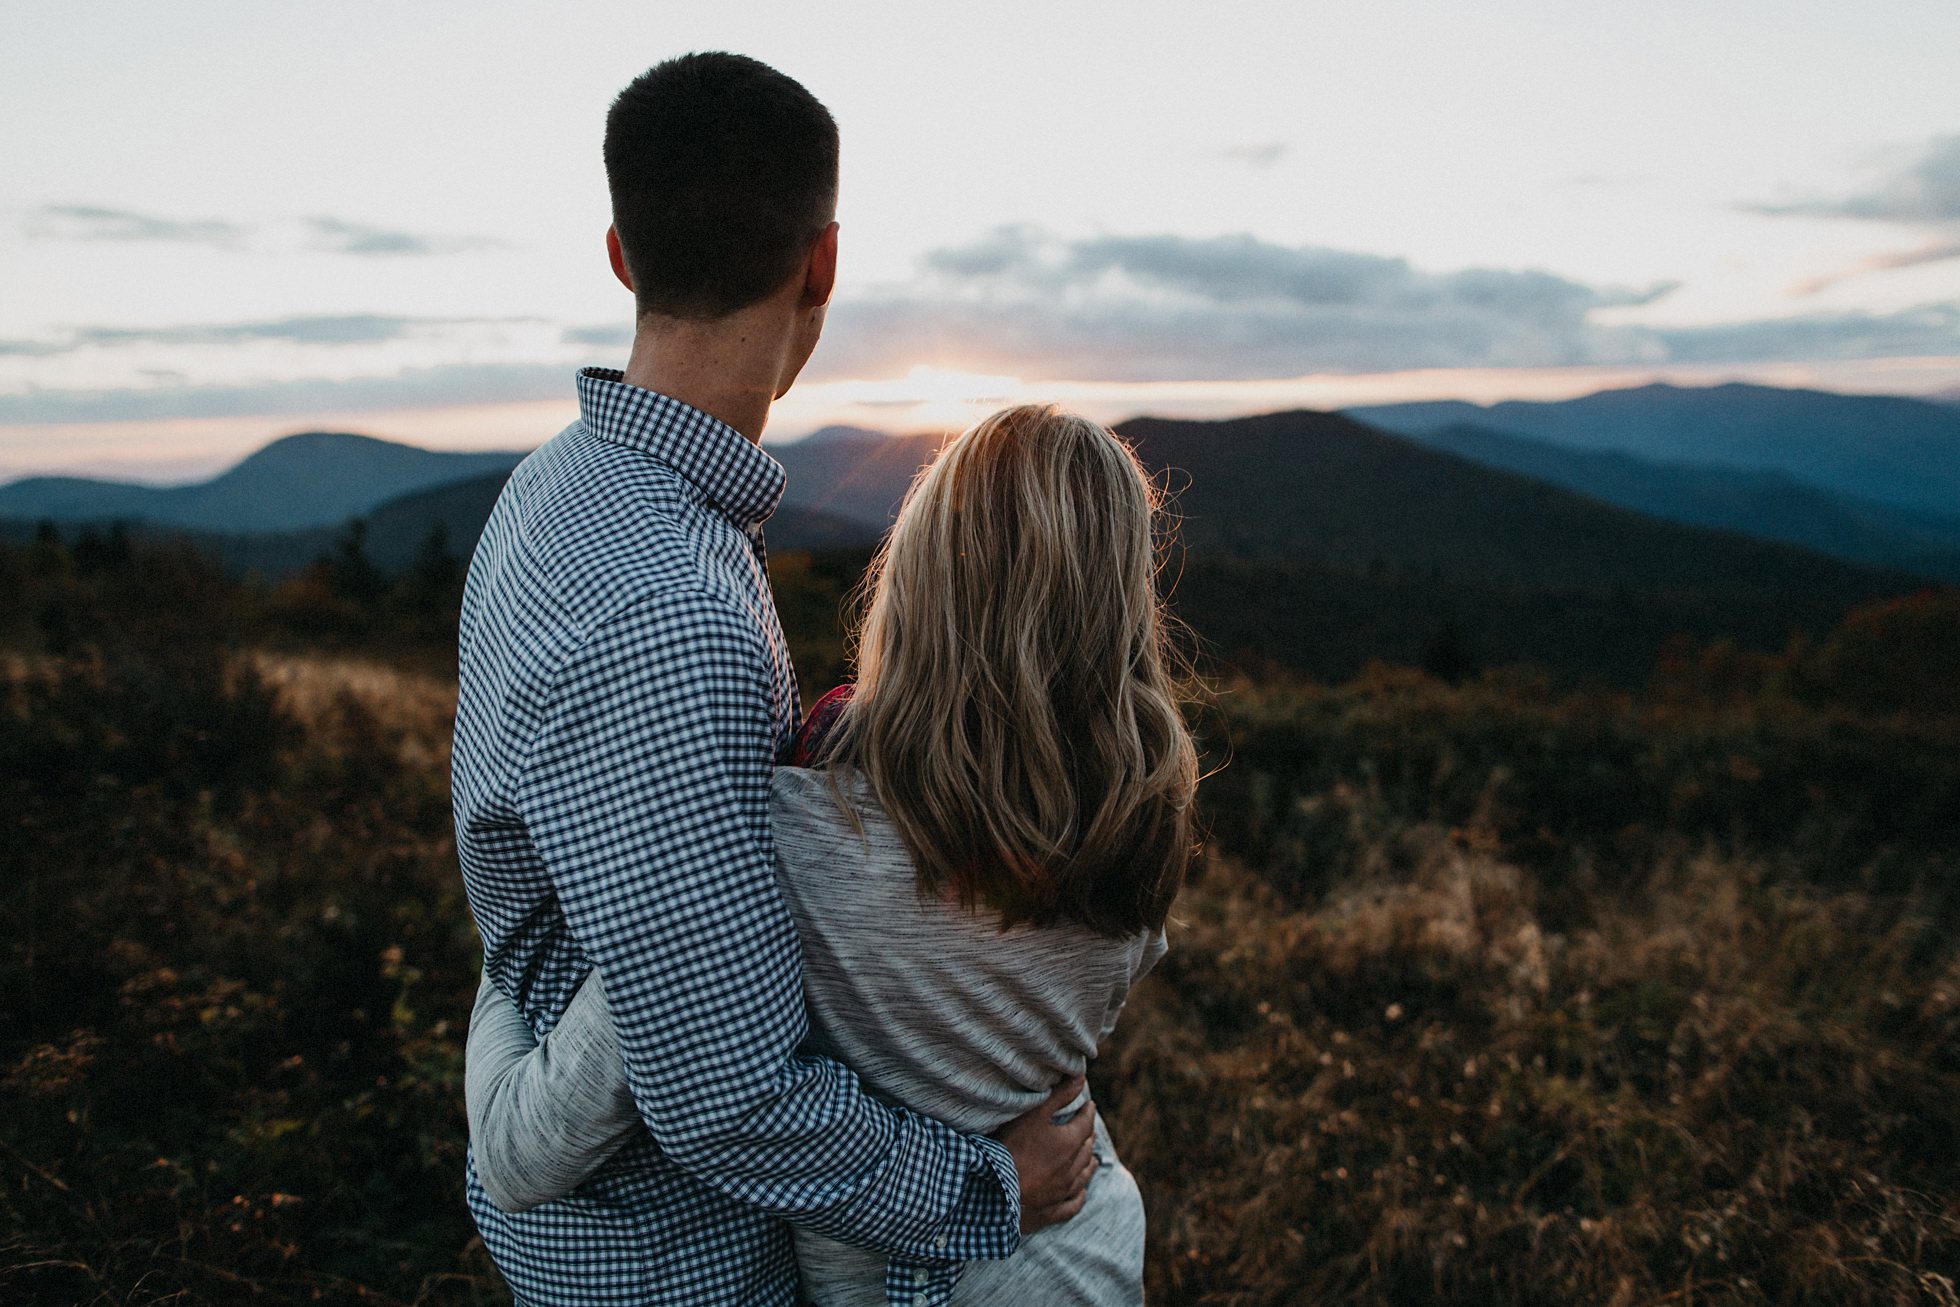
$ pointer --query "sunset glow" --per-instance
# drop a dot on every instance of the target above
(1336, 204)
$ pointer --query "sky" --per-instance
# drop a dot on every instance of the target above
(223, 222)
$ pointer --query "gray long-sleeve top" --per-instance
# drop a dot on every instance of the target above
(934, 1007)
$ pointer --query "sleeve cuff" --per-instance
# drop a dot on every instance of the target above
(910, 1283)
(987, 1224)
(987, 1221)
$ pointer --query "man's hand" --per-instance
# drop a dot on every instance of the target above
(1055, 1161)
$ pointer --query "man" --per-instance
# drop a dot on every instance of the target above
(625, 689)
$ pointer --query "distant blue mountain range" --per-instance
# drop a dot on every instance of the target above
(1310, 541)
(1873, 480)
(1895, 450)
(320, 478)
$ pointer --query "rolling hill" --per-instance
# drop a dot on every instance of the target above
(1768, 505)
(317, 478)
(1313, 541)
(1316, 542)
(860, 476)
(1324, 488)
(397, 530)
(1897, 450)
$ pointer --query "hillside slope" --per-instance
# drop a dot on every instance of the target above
(1323, 488)
(313, 479)
(1768, 505)
(1313, 542)
(1891, 448)
(1309, 541)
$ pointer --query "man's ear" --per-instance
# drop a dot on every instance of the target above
(618, 257)
(820, 269)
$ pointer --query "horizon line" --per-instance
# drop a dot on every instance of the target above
(194, 469)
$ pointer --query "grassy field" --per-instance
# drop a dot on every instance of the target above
(1486, 993)
(1491, 998)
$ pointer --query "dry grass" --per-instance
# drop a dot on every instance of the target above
(1483, 997)
(1722, 1092)
(418, 710)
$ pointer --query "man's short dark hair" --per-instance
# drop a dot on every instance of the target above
(722, 172)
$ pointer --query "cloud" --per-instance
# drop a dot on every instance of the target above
(1925, 194)
(1929, 329)
(1023, 301)
(87, 222)
(335, 236)
(1026, 303)
(1937, 252)
(304, 329)
(318, 234)
(609, 335)
(1925, 191)
(31, 349)
(1242, 269)
(323, 329)
(429, 387)
(1257, 155)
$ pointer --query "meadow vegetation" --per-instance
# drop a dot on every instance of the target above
(1487, 991)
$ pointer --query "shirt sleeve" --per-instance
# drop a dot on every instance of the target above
(646, 793)
(543, 1116)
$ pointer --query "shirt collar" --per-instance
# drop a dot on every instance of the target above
(731, 471)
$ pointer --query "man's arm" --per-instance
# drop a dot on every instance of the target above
(646, 793)
(545, 1114)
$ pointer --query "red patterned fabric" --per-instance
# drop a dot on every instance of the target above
(806, 750)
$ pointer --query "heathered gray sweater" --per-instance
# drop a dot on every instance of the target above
(932, 1006)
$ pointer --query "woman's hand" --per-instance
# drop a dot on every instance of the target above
(1055, 1162)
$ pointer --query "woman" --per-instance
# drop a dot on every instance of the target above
(979, 847)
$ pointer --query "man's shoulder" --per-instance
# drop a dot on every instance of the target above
(578, 491)
(597, 523)
(588, 534)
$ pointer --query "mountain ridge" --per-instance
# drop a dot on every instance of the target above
(395, 532)
(1346, 505)
(1309, 540)
(308, 479)
(1897, 449)
(1312, 542)
(1767, 504)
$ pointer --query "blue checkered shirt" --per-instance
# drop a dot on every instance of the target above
(625, 690)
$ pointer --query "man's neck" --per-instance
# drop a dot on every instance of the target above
(729, 369)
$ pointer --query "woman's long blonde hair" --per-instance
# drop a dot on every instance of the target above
(1015, 711)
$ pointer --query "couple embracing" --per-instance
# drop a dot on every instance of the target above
(776, 1012)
